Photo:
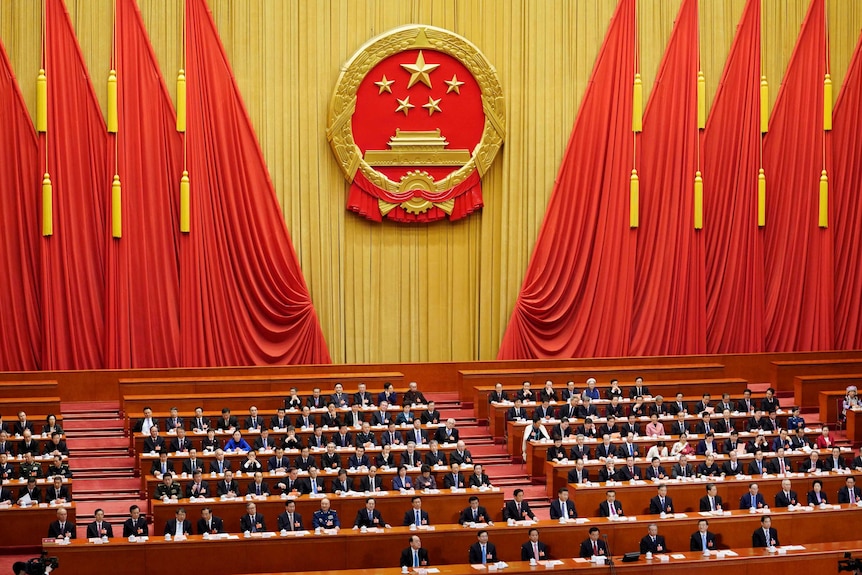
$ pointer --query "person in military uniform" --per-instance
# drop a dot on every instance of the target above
(30, 467)
(325, 517)
(167, 489)
(59, 468)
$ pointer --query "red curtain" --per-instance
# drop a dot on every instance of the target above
(142, 292)
(243, 297)
(73, 259)
(20, 329)
(845, 210)
(578, 287)
(799, 307)
(731, 152)
(669, 306)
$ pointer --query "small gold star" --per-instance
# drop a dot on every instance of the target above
(384, 85)
(419, 72)
(432, 105)
(454, 85)
(404, 105)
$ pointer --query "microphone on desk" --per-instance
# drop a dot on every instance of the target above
(610, 554)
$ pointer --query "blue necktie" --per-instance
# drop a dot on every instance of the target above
(484, 555)
(703, 537)
(415, 558)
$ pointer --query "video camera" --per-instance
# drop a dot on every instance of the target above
(41, 565)
(850, 563)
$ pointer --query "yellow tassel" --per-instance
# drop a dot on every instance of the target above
(42, 102)
(764, 105)
(116, 208)
(47, 206)
(827, 103)
(634, 199)
(761, 198)
(701, 101)
(112, 102)
(638, 105)
(698, 200)
(181, 101)
(185, 224)
(824, 200)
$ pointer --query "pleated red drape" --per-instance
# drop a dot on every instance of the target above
(845, 208)
(142, 291)
(731, 152)
(243, 297)
(73, 259)
(578, 287)
(668, 315)
(20, 297)
(799, 305)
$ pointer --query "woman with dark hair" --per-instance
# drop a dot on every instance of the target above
(816, 495)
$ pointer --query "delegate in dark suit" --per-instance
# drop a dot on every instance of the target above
(363, 520)
(655, 506)
(475, 557)
(704, 503)
(56, 531)
(479, 516)
(696, 542)
(171, 527)
(214, 525)
(407, 557)
(557, 509)
(746, 501)
(605, 510)
(758, 538)
(93, 530)
(844, 495)
(249, 523)
(510, 511)
(285, 524)
(782, 499)
(410, 518)
(657, 545)
(527, 551)
(135, 526)
(587, 550)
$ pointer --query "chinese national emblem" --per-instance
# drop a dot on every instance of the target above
(416, 119)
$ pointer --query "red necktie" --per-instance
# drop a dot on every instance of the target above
(595, 548)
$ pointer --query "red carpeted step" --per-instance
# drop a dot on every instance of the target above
(87, 425)
(99, 484)
(97, 443)
(87, 406)
(103, 463)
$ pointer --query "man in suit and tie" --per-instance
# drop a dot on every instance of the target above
(482, 552)
(682, 468)
(228, 486)
(197, 487)
(592, 546)
(417, 434)
(579, 474)
(498, 395)
(516, 412)
(180, 443)
(447, 434)
(534, 549)
(154, 443)
(200, 423)
(381, 416)
(758, 466)
(305, 420)
(179, 526)
(252, 521)
(678, 406)
(474, 513)
(711, 501)
(786, 497)
(731, 467)
(639, 388)
(162, 466)
(362, 397)
(834, 462)
(416, 516)
(290, 520)
(136, 524)
(279, 420)
(653, 542)
(193, 463)
(725, 424)
(371, 483)
(414, 555)
(661, 503)
(610, 507)
(849, 493)
(62, 527)
(655, 470)
(391, 436)
(220, 464)
(518, 509)
(753, 499)
(562, 506)
(278, 463)
(702, 539)
(369, 516)
(209, 523)
(629, 471)
(263, 442)
(767, 535)
(99, 528)
(338, 397)
(313, 484)
(780, 464)
(746, 404)
(315, 400)
(30, 490)
(258, 487)
(679, 426)
(57, 493)
(174, 421)
(454, 479)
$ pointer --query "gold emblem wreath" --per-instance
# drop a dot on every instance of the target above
(339, 130)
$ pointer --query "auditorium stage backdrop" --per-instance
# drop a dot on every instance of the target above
(619, 216)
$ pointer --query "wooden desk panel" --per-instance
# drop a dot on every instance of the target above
(784, 371)
(686, 495)
(27, 527)
(807, 388)
(449, 544)
(854, 426)
(442, 508)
